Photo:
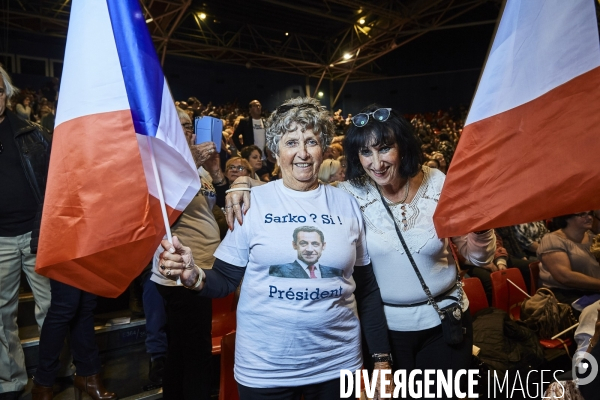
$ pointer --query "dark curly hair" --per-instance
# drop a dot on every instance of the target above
(375, 133)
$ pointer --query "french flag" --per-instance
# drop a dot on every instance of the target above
(531, 143)
(117, 131)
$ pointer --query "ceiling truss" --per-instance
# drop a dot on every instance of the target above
(346, 55)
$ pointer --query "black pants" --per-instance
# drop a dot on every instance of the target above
(329, 390)
(427, 349)
(71, 312)
(189, 322)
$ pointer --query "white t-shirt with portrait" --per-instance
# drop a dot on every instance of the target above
(293, 330)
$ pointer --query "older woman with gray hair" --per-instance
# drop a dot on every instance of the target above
(297, 319)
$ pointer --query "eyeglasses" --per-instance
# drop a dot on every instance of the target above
(237, 168)
(287, 107)
(584, 214)
(381, 115)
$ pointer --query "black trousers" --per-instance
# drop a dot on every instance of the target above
(71, 312)
(329, 390)
(189, 353)
(427, 349)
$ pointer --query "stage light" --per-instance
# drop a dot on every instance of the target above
(320, 94)
(347, 56)
(361, 21)
(149, 20)
(202, 16)
(287, 34)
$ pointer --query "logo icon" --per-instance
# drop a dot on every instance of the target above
(585, 368)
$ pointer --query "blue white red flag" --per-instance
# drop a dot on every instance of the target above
(102, 219)
(530, 145)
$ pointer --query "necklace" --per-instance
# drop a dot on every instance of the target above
(406, 191)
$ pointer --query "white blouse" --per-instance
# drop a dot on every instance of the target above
(395, 275)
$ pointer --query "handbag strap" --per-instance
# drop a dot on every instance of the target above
(414, 264)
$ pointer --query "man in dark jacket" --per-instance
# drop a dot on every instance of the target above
(24, 159)
(251, 129)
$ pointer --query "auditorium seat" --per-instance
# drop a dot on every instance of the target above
(476, 294)
(223, 319)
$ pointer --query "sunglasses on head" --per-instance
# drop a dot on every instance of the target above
(381, 115)
(287, 107)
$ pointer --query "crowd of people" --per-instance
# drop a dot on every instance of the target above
(356, 195)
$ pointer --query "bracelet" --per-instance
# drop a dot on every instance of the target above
(240, 183)
(238, 190)
(381, 358)
(201, 278)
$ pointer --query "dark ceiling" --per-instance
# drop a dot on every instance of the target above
(380, 38)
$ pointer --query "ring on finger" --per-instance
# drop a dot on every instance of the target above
(169, 272)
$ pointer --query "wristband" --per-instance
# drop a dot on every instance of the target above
(381, 358)
(201, 278)
(238, 190)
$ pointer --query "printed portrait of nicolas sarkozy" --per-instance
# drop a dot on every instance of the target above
(309, 243)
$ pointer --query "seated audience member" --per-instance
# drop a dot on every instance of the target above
(47, 118)
(501, 261)
(567, 265)
(433, 164)
(337, 150)
(254, 156)
(331, 171)
(436, 155)
(234, 168)
(23, 107)
(242, 168)
(529, 236)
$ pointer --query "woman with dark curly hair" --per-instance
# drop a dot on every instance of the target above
(398, 196)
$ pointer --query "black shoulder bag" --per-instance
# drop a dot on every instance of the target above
(450, 315)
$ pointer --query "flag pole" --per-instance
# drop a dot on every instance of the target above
(161, 197)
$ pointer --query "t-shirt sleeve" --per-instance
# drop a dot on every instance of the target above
(551, 243)
(235, 248)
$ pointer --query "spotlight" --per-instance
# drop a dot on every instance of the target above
(287, 34)
(347, 56)
(361, 21)
(331, 65)
(202, 16)
(149, 20)
(320, 94)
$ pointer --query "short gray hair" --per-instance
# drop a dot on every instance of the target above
(303, 112)
(9, 88)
